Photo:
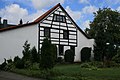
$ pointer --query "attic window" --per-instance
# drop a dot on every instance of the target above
(59, 18)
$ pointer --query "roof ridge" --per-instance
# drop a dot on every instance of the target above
(45, 14)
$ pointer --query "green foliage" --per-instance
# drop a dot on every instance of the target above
(116, 58)
(9, 61)
(27, 64)
(85, 65)
(105, 28)
(69, 56)
(30, 56)
(16, 58)
(26, 51)
(96, 64)
(71, 72)
(92, 65)
(9, 67)
(48, 55)
(35, 57)
(2, 66)
(19, 63)
(85, 54)
(59, 60)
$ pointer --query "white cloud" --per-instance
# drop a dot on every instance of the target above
(34, 16)
(40, 4)
(113, 2)
(89, 9)
(13, 13)
(86, 24)
(76, 15)
(84, 1)
(118, 9)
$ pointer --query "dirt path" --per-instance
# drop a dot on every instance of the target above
(13, 76)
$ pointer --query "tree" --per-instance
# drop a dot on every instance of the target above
(105, 28)
(48, 52)
(35, 56)
(26, 52)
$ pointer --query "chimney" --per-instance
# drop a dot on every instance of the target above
(21, 22)
(5, 23)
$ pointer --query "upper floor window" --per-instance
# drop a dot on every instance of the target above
(59, 18)
(47, 32)
(65, 34)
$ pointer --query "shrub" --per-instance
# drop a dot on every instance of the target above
(26, 51)
(18, 62)
(9, 60)
(85, 65)
(96, 64)
(48, 52)
(16, 58)
(35, 57)
(69, 56)
(2, 66)
(27, 64)
(113, 64)
(85, 54)
(116, 58)
(59, 60)
(9, 67)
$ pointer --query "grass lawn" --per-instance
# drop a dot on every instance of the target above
(73, 72)
(100, 74)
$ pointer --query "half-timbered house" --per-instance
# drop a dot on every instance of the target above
(56, 24)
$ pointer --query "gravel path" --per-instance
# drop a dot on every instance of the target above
(13, 76)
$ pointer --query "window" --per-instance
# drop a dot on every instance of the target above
(65, 34)
(59, 18)
(47, 32)
(61, 50)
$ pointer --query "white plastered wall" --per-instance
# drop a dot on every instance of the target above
(82, 42)
(12, 41)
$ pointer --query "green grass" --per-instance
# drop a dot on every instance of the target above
(100, 74)
(73, 72)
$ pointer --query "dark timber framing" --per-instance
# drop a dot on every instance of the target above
(38, 38)
(58, 28)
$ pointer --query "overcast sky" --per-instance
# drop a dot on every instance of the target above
(28, 10)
